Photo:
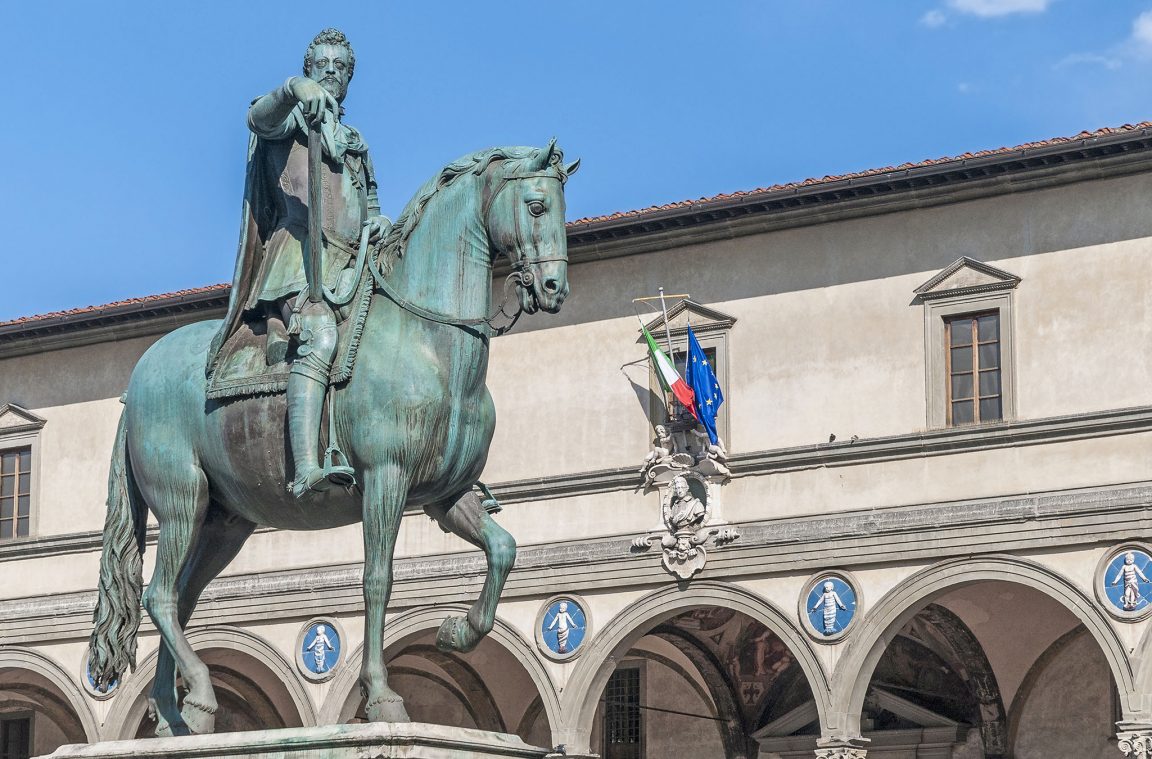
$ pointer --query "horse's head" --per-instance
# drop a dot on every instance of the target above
(524, 215)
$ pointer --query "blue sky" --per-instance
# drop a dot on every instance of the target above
(125, 136)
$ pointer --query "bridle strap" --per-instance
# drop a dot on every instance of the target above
(520, 273)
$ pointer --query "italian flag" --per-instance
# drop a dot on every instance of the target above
(669, 377)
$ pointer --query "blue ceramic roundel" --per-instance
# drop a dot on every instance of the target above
(321, 648)
(563, 626)
(831, 605)
(1126, 583)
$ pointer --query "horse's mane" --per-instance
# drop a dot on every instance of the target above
(395, 242)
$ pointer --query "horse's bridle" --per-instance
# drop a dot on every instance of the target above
(524, 277)
(520, 272)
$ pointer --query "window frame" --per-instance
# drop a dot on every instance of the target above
(977, 368)
(936, 316)
(25, 433)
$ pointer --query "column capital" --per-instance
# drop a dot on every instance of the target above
(1134, 739)
(841, 748)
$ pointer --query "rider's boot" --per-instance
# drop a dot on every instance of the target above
(307, 384)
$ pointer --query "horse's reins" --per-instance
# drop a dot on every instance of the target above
(520, 273)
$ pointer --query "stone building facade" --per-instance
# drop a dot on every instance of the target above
(938, 424)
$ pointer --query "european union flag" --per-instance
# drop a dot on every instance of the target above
(700, 377)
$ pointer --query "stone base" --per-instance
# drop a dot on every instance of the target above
(377, 740)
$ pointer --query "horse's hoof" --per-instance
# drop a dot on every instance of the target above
(456, 634)
(163, 729)
(388, 709)
(200, 718)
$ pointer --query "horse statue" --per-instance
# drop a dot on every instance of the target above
(415, 419)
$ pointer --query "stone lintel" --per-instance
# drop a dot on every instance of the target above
(374, 740)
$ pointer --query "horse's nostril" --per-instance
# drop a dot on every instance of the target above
(551, 285)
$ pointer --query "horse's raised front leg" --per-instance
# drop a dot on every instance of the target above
(468, 519)
(180, 501)
(220, 540)
(385, 490)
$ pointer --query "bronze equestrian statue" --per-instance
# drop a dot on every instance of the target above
(410, 418)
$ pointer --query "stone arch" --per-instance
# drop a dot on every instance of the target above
(14, 657)
(902, 603)
(412, 623)
(128, 703)
(598, 661)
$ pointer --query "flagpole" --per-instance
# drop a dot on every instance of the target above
(667, 332)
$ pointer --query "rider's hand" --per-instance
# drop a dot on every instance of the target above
(316, 100)
(377, 227)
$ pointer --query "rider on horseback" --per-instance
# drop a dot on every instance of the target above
(270, 281)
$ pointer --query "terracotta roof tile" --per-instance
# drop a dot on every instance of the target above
(1087, 135)
(222, 289)
(143, 302)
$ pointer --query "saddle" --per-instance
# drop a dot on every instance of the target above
(244, 368)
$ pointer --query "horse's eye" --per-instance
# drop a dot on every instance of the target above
(536, 207)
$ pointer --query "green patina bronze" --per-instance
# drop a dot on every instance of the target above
(413, 421)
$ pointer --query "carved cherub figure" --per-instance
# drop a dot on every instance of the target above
(662, 447)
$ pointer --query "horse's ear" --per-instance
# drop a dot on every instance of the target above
(571, 168)
(544, 156)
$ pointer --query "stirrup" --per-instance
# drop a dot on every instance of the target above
(337, 469)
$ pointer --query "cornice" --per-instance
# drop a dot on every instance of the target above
(953, 440)
(939, 442)
(921, 533)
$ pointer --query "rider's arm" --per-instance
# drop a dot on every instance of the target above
(270, 116)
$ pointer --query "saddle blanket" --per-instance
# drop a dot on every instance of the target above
(243, 369)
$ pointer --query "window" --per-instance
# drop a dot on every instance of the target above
(974, 387)
(19, 481)
(680, 359)
(968, 344)
(712, 328)
(15, 492)
(623, 723)
(15, 738)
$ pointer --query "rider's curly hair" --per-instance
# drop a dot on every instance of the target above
(330, 37)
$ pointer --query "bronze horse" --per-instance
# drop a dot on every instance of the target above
(415, 420)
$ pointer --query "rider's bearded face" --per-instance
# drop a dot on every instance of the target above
(330, 69)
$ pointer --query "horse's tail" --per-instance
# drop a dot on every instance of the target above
(112, 647)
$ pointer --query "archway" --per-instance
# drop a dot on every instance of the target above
(945, 653)
(501, 685)
(703, 670)
(256, 688)
(41, 706)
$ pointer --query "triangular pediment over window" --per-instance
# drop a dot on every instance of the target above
(965, 276)
(704, 320)
(13, 418)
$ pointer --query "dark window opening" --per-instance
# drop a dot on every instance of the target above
(623, 728)
(15, 738)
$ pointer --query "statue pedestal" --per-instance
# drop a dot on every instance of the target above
(378, 740)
